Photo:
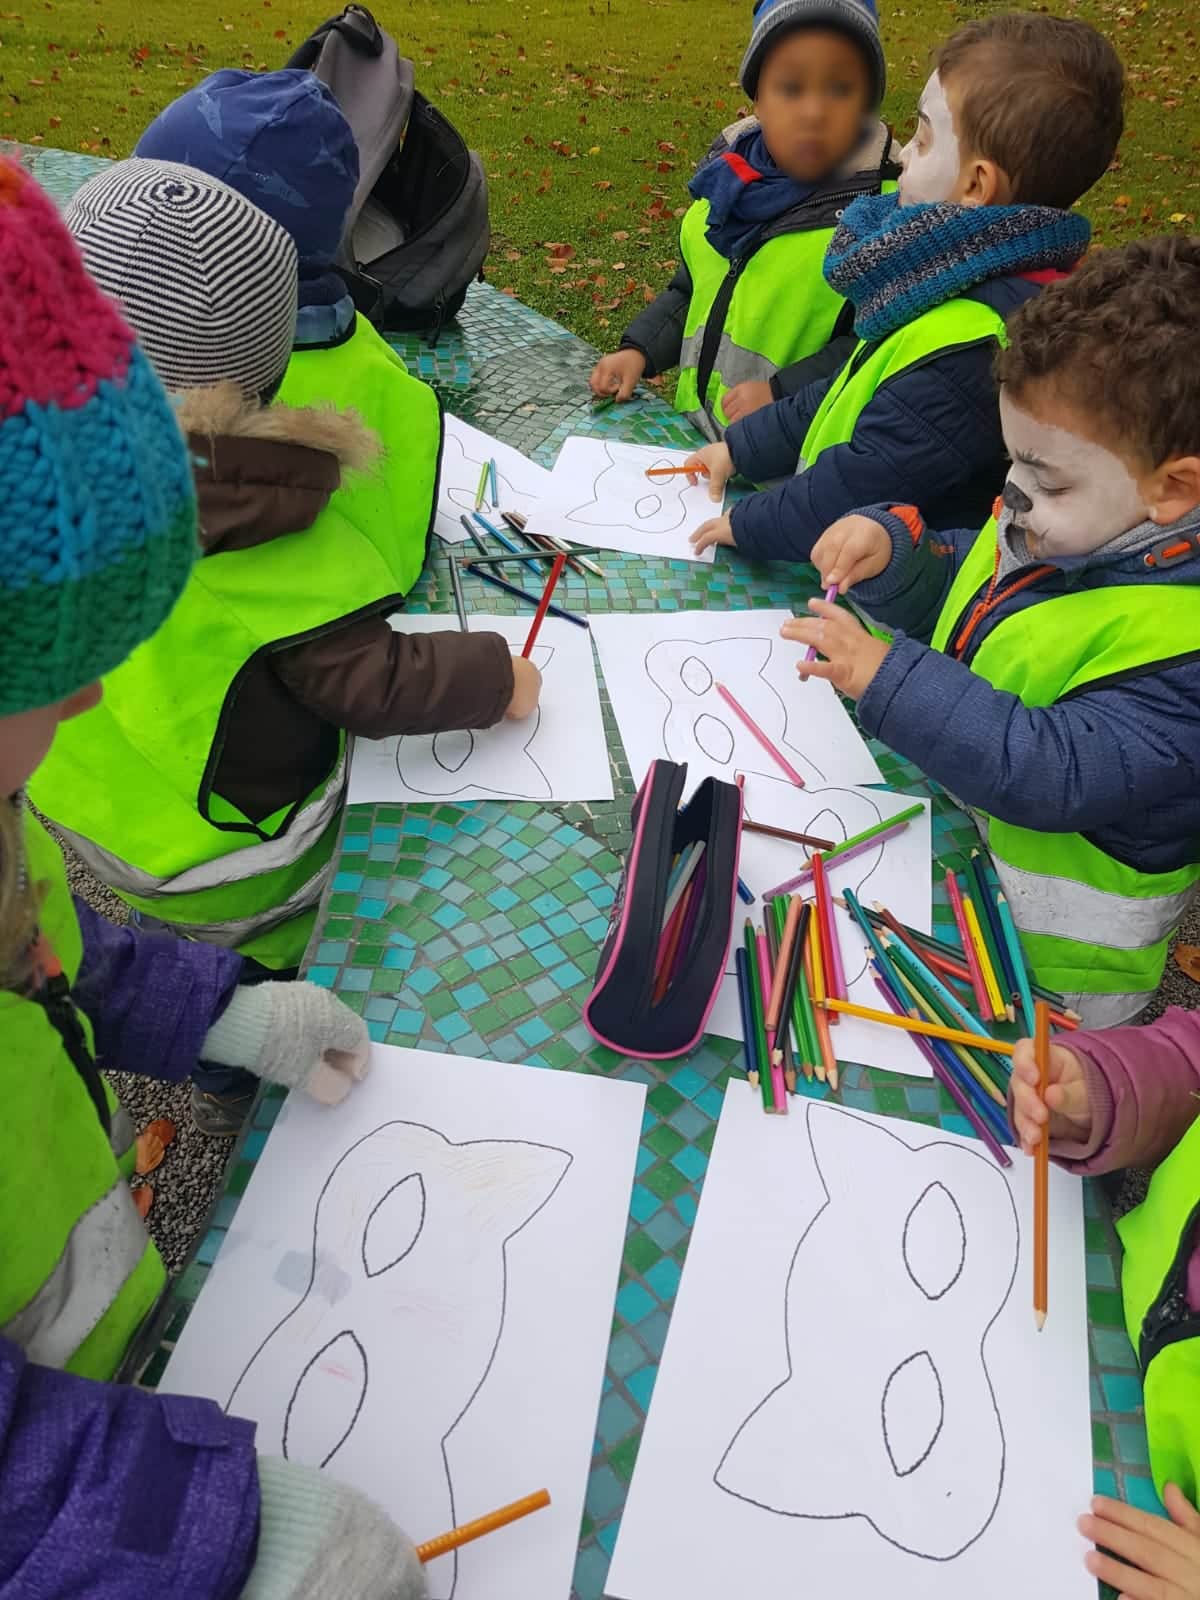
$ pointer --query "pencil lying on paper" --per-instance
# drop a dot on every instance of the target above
(930, 1030)
(495, 486)
(698, 471)
(482, 485)
(519, 524)
(748, 721)
(846, 852)
(473, 535)
(539, 553)
(830, 595)
(459, 603)
(1041, 1174)
(457, 1537)
(810, 839)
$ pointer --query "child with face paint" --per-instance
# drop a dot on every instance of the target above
(1020, 118)
(1058, 693)
(749, 303)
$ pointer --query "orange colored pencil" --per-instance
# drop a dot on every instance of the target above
(1041, 1173)
(445, 1542)
(783, 961)
(699, 470)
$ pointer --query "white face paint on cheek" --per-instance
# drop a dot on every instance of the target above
(1099, 497)
(930, 173)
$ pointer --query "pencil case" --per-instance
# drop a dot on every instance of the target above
(633, 1008)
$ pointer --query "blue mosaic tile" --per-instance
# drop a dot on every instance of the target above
(634, 1302)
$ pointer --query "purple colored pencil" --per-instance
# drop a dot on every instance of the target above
(830, 595)
(690, 917)
(959, 1096)
(835, 859)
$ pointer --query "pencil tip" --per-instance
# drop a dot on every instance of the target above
(1039, 1318)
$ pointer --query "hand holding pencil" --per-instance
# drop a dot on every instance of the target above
(1066, 1111)
(852, 655)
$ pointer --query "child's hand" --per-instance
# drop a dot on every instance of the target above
(852, 549)
(744, 398)
(297, 1034)
(1159, 1560)
(527, 689)
(618, 374)
(717, 530)
(1067, 1108)
(853, 656)
(716, 460)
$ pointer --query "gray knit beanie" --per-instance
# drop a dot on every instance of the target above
(772, 18)
(207, 280)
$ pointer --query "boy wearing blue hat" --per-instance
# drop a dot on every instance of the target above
(749, 304)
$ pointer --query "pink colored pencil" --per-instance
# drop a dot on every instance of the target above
(968, 944)
(777, 756)
(835, 860)
(778, 1088)
(830, 595)
(539, 615)
(835, 976)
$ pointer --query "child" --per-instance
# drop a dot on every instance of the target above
(1020, 118)
(1061, 697)
(766, 201)
(1131, 1097)
(280, 139)
(221, 746)
(107, 1490)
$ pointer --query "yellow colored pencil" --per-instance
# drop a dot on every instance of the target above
(995, 999)
(446, 1542)
(919, 1003)
(933, 1030)
(810, 973)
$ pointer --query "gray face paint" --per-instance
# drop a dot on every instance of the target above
(1016, 499)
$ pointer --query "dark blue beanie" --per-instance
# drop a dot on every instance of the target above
(774, 18)
(279, 139)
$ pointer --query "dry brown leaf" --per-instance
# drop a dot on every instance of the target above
(151, 1145)
(1187, 959)
(143, 1199)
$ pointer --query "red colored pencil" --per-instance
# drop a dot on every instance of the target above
(560, 562)
(831, 955)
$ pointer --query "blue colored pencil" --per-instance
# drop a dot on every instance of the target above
(523, 594)
(495, 488)
(1013, 940)
(744, 894)
(873, 939)
(987, 895)
(506, 543)
(924, 974)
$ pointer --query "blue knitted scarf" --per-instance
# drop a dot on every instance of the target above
(745, 191)
(895, 262)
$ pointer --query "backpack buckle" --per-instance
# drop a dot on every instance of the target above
(1170, 552)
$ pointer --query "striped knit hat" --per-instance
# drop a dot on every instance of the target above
(206, 278)
(775, 18)
(97, 511)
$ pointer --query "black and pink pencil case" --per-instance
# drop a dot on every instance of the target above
(657, 982)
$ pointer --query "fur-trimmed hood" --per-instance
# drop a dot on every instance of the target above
(266, 471)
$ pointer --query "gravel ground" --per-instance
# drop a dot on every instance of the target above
(187, 1182)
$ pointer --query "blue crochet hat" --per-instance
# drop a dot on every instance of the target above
(772, 18)
(97, 510)
(280, 139)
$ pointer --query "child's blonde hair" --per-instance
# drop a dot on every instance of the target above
(18, 898)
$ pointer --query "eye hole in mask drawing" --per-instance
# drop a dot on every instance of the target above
(714, 738)
(648, 506)
(913, 1413)
(694, 675)
(454, 749)
(326, 1402)
(934, 1242)
(394, 1226)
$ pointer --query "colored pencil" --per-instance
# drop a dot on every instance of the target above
(810, 839)
(531, 557)
(503, 540)
(473, 534)
(744, 894)
(776, 923)
(775, 1043)
(931, 1030)
(699, 470)
(968, 944)
(748, 951)
(819, 991)
(779, 997)
(681, 878)
(885, 825)
(744, 716)
(454, 1540)
(815, 1013)
(910, 962)
(868, 931)
(948, 1082)
(772, 1097)
(495, 485)
(843, 853)
(601, 402)
(556, 570)
(981, 1065)
(993, 934)
(519, 523)
(928, 1013)
(483, 474)
(791, 977)
(1017, 956)
(760, 1032)
(695, 899)
(459, 603)
(670, 943)
(831, 954)
(743, 980)
(990, 982)
(802, 1008)
(830, 595)
(523, 594)
(1041, 1174)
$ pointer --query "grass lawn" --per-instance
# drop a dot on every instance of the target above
(589, 114)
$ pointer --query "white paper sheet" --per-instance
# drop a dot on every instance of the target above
(417, 1293)
(902, 1430)
(599, 494)
(521, 482)
(558, 753)
(898, 874)
(662, 669)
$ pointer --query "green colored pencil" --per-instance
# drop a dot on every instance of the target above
(977, 1062)
(968, 1058)
(760, 1029)
(1018, 960)
(483, 478)
(869, 833)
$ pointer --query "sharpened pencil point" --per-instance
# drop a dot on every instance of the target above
(1039, 1318)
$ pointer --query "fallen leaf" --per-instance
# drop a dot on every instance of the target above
(1177, 216)
(151, 1145)
(164, 1128)
(143, 1199)
(604, 183)
(1187, 959)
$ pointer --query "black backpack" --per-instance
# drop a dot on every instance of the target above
(417, 231)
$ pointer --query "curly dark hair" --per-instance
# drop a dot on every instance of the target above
(1041, 97)
(1119, 341)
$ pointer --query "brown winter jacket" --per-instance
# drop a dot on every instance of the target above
(264, 473)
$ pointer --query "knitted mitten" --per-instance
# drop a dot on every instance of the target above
(320, 1540)
(292, 1033)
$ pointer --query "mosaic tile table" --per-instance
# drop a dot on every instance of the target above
(475, 929)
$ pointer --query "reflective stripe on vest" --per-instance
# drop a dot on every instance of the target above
(781, 310)
(1158, 1237)
(1095, 930)
(77, 1272)
(134, 778)
(953, 325)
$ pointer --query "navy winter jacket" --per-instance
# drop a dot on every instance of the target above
(929, 436)
(1119, 762)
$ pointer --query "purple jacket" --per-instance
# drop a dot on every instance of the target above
(108, 1491)
(1143, 1085)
